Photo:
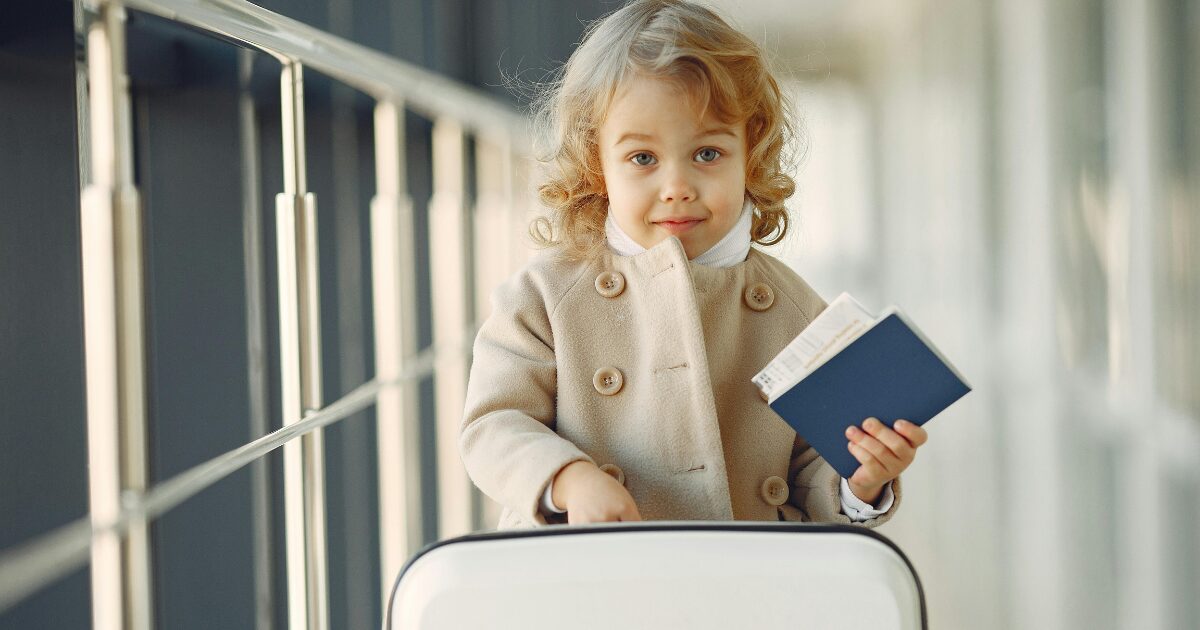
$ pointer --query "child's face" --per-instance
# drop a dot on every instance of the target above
(669, 171)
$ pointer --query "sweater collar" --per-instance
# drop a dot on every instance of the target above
(729, 251)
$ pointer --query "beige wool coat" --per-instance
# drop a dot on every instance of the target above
(642, 365)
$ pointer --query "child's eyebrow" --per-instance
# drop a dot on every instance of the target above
(716, 131)
(633, 136)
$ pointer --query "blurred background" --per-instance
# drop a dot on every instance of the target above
(1021, 177)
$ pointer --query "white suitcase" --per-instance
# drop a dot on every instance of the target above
(694, 575)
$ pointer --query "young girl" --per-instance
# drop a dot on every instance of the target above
(612, 380)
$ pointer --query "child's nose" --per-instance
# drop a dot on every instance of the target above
(677, 188)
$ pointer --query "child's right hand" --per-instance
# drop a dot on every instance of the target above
(590, 495)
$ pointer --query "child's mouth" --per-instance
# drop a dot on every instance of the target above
(679, 227)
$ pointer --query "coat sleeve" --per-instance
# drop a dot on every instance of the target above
(507, 439)
(816, 491)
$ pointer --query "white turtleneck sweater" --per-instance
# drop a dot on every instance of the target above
(729, 251)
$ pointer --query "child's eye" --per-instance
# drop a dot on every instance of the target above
(707, 155)
(643, 159)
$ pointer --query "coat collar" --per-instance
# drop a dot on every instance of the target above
(665, 256)
(669, 254)
(729, 251)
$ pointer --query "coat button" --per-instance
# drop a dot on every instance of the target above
(608, 380)
(610, 284)
(774, 490)
(759, 296)
(615, 471)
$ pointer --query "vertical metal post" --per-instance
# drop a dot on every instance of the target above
(256, 350)
(493, 222)
(393, 270)
(448, 266)
(114, 335)
(492, 243)
(300, 366)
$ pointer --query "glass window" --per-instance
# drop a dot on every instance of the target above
(1081, 184)
(1177, 268)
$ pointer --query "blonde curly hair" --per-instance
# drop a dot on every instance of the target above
(674, 40)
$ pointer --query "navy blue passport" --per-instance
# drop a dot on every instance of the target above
(889, 373)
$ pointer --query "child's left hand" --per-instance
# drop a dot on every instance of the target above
(884, 454)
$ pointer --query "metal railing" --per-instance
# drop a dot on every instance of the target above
(122, 502)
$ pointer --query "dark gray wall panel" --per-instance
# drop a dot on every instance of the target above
(188, 169)
(43, 445)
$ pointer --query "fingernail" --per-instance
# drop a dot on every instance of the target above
(903, 423)
(850, 431)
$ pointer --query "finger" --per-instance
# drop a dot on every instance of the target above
(598, 513)
(583, 518)
(631, 513)
(871, 472)
(915, 434)
(885, 456)
(612, 516)
(629, 510)
(869, 462)
(892, 440)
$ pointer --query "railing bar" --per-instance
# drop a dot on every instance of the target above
(26, 568)
(295, 179)
(397, 414)
(183, 486)
(256, 344)
(288, 229)
(425, 92)
(449, 272)
(114, 333)
(491, 220)
(300, 368)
